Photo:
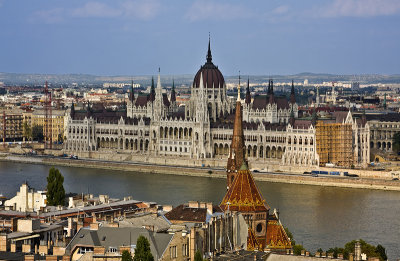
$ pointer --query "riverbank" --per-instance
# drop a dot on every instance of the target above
(293, 178)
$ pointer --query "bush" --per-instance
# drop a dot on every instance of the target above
(197, 256)
(297, 249)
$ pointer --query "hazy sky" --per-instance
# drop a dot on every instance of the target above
(135, 37)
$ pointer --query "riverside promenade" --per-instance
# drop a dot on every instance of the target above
(210, 172)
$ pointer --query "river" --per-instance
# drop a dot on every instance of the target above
(317, 216)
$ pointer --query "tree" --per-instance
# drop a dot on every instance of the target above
(290, 235)
(126, 256)
(396, 142)
(27, 131)
(55, 188)
(381, 251)
(37, 133)
(297, 249)
(142, 251)
(366, 248)
(197, 256)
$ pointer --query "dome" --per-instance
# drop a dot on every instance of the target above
(211, 74)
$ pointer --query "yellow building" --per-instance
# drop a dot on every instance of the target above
(335, 143)
(56, 122)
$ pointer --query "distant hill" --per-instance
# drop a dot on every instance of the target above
(87, 79)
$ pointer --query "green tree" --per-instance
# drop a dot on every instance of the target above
(197, 256)
(142, 251)
(27, 131)
(366, 248)
(335, 251)
(126, 256)
(37, 133)
(297, 249)
(55, 188)
(381, 251)
(290, 235)
(396, 142)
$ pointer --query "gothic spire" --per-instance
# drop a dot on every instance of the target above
(269, 87)
(131, 94)
(292, 94)
(238, 98)
(237, 151)
(72, 110)
(271, 94)
(248, 95)
(209, 56)
(152, 90)
(173, 95)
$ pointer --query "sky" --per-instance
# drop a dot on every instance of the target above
(136, 37)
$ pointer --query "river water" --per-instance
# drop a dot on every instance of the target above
(317, 216)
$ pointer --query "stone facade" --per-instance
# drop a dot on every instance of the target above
(153, 124)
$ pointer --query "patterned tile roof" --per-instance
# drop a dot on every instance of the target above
(244, 195)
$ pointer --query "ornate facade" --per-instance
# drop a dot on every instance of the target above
(153, 124)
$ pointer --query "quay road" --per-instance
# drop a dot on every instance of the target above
(211, 172)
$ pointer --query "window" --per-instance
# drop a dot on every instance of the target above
(259, 228)
(112, 249)
(172, 252)
(185, 250)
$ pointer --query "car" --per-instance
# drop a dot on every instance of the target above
(395, 179)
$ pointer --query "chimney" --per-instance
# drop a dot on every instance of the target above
(210, 207)
(193, 204)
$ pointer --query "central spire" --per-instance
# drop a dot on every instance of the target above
(238, 98)
(209, 56)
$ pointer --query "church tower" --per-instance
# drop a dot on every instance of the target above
(264, 230)
(237, 150)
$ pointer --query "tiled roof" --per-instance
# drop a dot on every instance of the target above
(243, 195)
(276, 235)
(261, 102)
(142, 100)
(183, 213)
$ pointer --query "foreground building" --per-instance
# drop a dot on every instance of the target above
(265, 232)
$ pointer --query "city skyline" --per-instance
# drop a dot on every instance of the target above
(258, 38)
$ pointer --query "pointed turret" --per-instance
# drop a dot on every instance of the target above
(248, 95)
(152, 90)
(271, 94)
(292, 95)
(269, 87)
(131, 94)
(173, 94)
(72, 113)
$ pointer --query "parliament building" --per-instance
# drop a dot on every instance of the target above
(153, 124)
